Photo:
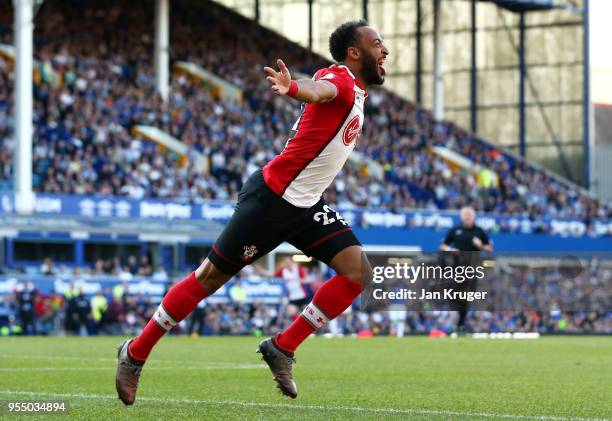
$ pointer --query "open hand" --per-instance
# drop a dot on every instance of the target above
(279, 81)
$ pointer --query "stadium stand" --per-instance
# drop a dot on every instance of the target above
(89, 99)
(95, 84)
(124, 307)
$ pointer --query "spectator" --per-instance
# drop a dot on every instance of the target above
(78, 313)
(99, 306)
(133, 267)
(160, 274)
(145, 268)
(25, 297)
(45, 313)
(47, 267)
(125, 274)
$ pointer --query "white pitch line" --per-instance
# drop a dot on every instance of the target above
(17, 369)
(221, 364)
(397, 411)
(53, 357)
(234, 367)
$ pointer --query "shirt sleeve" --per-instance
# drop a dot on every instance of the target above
(483, 237)
(343, 82)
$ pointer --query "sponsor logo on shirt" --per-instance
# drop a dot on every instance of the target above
(351, 131)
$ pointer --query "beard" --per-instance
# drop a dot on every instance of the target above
(369, 69)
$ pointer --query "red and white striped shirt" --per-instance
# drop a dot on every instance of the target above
(324, 136)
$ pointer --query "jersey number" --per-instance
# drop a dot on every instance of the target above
(328, 216)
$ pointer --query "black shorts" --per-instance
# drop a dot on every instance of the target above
(262, 220)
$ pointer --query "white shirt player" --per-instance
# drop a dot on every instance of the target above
(324, 136)
(292, 278)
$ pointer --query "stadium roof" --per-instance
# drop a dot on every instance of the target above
(528, 5)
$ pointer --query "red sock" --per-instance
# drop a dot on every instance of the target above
(178, 303)
(330, 300)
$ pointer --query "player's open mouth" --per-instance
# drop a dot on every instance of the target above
(381, 69)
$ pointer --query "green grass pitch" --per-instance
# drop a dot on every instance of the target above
(551, 378)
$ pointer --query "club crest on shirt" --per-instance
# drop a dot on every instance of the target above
(351, 131)
(248, 252)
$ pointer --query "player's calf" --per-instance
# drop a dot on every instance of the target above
(354, 265)
(178, 303)
(331, 299)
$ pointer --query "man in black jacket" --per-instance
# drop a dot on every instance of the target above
(25, 299)
(466, 241)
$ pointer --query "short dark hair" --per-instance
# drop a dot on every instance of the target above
(343, 37)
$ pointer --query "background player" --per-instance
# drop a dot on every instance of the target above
(283, 202)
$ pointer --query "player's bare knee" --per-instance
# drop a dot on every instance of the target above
(210, 277)
(355, 266)
(366, 270)
(361, 271)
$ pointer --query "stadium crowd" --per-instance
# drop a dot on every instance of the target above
(94, 84)
(540, 299)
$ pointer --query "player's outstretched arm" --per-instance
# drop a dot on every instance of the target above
(303, 90)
